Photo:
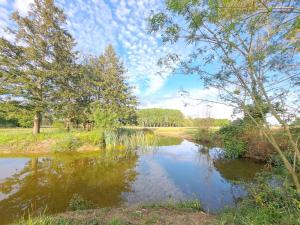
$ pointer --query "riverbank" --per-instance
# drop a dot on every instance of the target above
(159, 215)
(14, 141)
(21, 141)
(51, 140)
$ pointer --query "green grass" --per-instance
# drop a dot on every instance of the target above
(45, 220)
(57, 140)
(13, 135)
(116, 221)
(186, 212)
(192, 204)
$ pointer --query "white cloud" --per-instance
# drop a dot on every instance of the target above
(122, 23)
(3, 2)
(22, 6)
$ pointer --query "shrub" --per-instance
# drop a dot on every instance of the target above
(204, 136)
(95, 137)
(272, 199)
(189, 204)
(77, 202)
(232, 137)
(67, 144)
(276, 161)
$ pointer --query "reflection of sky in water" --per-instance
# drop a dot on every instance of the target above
(182, 171)
(8, 167)
(179, 172)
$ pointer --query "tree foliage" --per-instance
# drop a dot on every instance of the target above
(36, 57)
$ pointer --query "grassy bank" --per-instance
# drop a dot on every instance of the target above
(187, 213)
(21, 140)
(51, 140)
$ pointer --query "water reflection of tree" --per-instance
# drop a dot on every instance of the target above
(238, 169)
(231, 172)
(51, 182)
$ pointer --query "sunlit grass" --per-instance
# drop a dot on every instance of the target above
(192, 204)
(58, 140)
(45, 220)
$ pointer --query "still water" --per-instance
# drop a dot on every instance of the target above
(177, 170)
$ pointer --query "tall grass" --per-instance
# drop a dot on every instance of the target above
(128, 138)
(45, 220)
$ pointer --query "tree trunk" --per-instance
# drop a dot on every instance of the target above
(68, 124)
(37, 123)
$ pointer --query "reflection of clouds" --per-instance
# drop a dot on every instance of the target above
(153, 184)
(185, 152)
(177, 172)
(10, 166)
(187, 170)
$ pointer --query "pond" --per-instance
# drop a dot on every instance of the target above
(177, 170)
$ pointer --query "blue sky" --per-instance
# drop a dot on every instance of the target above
(96, 23)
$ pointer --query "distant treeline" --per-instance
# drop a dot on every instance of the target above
(157, 117)
(207, 122)
(160, 118)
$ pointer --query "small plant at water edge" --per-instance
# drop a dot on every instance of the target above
(272, 199)
(192, 204)
(67, 144)
(232, 137)
(77, 202)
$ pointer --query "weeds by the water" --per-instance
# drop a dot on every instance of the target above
(67, 144)
(57, 140)
(79, 203)
(192, 204)
(272, 199)
(94, 137)
(116, 221)
(129, 139)
(45, 220)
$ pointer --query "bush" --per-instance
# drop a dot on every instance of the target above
(95, 137)
(271, 200)
(204, 136)
(77, 202)
(67, 144)
(276, 161)
(235, 145)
